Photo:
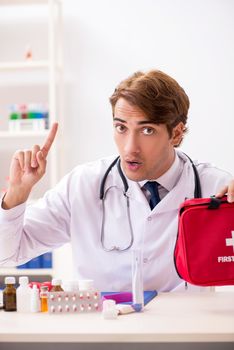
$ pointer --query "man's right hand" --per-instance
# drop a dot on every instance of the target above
(26, 169)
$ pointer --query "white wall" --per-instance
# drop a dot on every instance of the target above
(192, 40)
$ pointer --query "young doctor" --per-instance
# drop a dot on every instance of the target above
(106, 210)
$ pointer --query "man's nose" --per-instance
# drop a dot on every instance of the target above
(132, 144)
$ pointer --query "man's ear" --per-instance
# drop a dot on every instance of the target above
(177, 134)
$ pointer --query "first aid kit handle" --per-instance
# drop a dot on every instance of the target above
(214, 203)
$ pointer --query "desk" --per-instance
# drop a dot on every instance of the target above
(170, 318)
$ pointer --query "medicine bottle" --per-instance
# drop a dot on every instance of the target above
(71, 286)
(56, 285)
(23, 295)
(44, 298)
(85, 285)
(9, 294)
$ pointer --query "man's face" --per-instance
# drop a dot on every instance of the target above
(145, 148)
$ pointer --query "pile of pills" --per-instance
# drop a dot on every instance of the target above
(74, 302)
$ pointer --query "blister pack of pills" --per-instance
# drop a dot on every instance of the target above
(74, 302)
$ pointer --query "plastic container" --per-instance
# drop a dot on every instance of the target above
(109, 311)
(86, 284)
(71, 286)
(23, 295)
(9, 294)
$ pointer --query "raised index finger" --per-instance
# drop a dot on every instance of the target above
(50, 139)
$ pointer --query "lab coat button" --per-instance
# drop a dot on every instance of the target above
(149, 218)
(145, 260)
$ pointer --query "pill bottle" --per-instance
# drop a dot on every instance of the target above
(56, 285)
(86, 285)
(71, 286)
(23, 295)
(9, 294)
(44, 298)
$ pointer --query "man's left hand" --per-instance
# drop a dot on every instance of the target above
(229, 191)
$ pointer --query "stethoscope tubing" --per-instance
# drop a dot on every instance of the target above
(103, 193)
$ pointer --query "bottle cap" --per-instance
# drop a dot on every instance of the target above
(71, 286)
(9, 280)
(56, 282)
(44, 291)
(23, 280)
(44, 288)
(85, 284)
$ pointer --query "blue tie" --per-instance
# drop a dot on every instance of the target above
(152, 187)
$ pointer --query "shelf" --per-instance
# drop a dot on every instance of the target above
(34, 80)
(23, 2)
(14, 271)
(24, 65)
(9, 135)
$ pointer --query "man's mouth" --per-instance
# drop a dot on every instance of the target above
(133, 164)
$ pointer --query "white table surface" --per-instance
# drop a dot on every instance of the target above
(170, 317)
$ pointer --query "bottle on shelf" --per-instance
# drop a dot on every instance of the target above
(23, 295)
(28, 117)
(9, 294)
(28, 55)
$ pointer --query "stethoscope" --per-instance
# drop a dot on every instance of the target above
(103, 193)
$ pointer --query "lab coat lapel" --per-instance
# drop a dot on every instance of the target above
(183, 189)
(134, 191)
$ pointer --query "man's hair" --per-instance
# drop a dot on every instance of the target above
(158, 95)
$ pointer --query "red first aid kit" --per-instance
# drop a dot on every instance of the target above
(204, 250)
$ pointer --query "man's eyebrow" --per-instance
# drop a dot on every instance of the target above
(119, 120)
(142, 122)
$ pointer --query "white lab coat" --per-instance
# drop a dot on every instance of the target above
(72, 212)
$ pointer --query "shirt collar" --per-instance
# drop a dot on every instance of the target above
(171, 176)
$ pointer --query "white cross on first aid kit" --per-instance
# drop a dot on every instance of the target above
(230, 241)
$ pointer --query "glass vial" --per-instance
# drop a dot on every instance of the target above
(9, 294)
(44, 298)
(56, 285)
(85, 285)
